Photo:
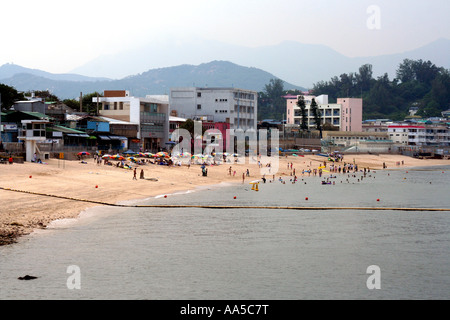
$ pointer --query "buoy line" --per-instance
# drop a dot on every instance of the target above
(171, 206)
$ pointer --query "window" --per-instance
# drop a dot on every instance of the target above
(199, 107)
(199, 94)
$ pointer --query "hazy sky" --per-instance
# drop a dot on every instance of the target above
(59, 35)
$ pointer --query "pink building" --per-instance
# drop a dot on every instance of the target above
(351, 114)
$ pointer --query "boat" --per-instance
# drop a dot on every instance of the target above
(326, 182)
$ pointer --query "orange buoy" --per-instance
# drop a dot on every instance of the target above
(378, 199)
(165, 196)
(306, 198)
(234, 197)
(96, 186)
(30, 177)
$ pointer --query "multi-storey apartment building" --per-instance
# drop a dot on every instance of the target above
(420, 135)
(235, 106)
(346, 114)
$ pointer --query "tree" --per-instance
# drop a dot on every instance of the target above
(405, 71)
(425, 71)
(302, 106)
(419, 70)
(72, 103)
(271, 102)
(45, 95)
(430, 109)
(316, 114)
(364, 77)
(347, 84)
(440, 89)
(89, 106)
(9, 95)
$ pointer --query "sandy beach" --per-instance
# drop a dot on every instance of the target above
(21, 213)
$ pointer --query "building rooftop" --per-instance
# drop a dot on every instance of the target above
(115, 121)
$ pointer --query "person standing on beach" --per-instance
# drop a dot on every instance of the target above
(134, 174)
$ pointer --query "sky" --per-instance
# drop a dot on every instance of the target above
(60, 35)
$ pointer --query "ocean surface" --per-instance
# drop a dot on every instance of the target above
(249, 254)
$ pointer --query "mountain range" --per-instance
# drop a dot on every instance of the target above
(155, 81)
(172, 63)
(298, 63)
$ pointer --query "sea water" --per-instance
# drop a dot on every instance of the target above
(200, 253)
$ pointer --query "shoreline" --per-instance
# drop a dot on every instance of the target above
(22, 213)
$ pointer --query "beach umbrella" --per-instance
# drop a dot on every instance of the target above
(106, 156)
(117, 157)
(84, 153)
(162, 155)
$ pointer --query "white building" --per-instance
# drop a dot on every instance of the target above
(419, 135)
(235, 106)
(150, 113)
(346, 114)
